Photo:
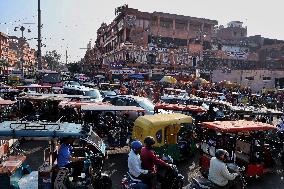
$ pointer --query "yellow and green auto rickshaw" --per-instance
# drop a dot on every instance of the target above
(174, 134)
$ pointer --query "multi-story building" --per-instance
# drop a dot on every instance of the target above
(235, 31)
(4, 46)
(174, 43)
(20, 52)
(167, 40)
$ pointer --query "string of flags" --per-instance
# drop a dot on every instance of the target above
(17, 21)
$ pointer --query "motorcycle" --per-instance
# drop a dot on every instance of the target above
(167, 178)
(91, 177)
(204, 183)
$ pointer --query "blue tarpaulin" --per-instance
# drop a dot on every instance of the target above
(136, 76)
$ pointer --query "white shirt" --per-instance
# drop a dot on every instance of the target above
(281, 125)
(219, 173)
(134, 164)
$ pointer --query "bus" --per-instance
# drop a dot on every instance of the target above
(49, 78)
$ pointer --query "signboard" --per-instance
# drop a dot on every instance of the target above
(123, 72)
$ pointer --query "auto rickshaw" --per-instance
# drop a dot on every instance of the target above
(9, 94)
(7, 110)
(88, 145)
(174, 134)
(110, 122)
(244, 140)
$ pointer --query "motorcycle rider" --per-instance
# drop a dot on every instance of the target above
(65, 159)
(134, 164)
(218, 171)
(148, 157)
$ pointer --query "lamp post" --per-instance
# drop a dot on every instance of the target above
(23, 40)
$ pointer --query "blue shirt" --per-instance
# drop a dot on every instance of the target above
(64, 155)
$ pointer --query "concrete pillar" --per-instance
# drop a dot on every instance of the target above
(124, 35)
(158, 30)
(174, 27)
(187, 29)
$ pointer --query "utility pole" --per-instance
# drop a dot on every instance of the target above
(66, 57)
(39, 37)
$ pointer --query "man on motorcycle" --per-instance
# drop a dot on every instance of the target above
(134, 163)
(148, 157)
(65, 159)
(218, 171)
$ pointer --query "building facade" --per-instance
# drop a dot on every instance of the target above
(143, 42)
(137, 38)
(255, 79)
(14, 51)
(4, 46)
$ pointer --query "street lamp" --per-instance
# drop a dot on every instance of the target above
(22, 29)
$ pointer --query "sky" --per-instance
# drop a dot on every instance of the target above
(71, 24)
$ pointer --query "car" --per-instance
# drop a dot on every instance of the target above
(108, 93)
(130, 100)
(93, 93)
(70, 86)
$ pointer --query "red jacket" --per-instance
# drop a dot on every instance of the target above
(149, 160)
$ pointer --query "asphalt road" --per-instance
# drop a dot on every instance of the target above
(116, 167)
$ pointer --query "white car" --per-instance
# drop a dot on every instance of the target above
(129, 100)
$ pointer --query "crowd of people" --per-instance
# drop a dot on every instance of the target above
(235, 94)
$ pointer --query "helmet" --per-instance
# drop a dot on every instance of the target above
(221, 152)
(135, 145)
(149, 141)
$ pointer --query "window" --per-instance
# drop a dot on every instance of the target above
(181, 25)
(110, 100)
(159, 136)
(132, 103)
(93, 93)
(266, 78)
(166, 24)
(146, 104)
(249, 78)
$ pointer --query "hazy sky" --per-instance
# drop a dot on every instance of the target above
(70, 24)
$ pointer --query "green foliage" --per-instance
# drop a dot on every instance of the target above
(3, 65)
(52, 59)
(74, 67)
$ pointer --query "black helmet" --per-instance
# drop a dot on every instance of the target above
(221, 152)
(149, 141)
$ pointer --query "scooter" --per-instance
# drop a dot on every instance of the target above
(204, 183)
(168, 178)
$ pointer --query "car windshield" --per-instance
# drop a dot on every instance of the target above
(51, 78)
(93, 93)
(147, 104)
(108, 93)
(73, 83)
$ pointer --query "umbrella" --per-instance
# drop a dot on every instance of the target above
(201, 81)
(100, 76)
(169, 79)
(136, 76)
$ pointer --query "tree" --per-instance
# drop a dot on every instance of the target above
(74, 67)
(3, 64)
(52, 59)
